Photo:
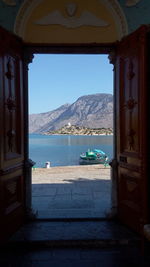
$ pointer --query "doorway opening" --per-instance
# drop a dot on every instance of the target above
(71, 111)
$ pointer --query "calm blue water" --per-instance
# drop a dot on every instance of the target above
(65, 150)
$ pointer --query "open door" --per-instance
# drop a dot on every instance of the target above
(131, 118)
(11, 134)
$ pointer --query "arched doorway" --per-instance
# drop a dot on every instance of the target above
(75, 28)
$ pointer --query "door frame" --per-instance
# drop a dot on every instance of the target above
(75, 49)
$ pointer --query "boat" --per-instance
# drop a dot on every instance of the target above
(95, 156)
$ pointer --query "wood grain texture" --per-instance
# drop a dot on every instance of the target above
(11, 134)
(131, 86)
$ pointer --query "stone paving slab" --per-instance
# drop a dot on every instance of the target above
(71, 192)
(74, 231)
(74, 257)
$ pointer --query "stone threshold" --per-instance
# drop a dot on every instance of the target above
(95, 234)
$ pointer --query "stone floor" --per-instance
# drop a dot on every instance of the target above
(71, 192)
(74, 257)
(73, 244)
(75, 232)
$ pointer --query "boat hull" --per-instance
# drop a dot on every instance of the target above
(91, 161)
(95, 156)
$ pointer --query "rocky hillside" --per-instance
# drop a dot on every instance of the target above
(39, 121)
(91, 111)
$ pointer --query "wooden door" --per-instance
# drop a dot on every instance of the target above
(131, 117)
(11, 134)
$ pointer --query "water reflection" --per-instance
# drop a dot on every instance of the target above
(69, 140)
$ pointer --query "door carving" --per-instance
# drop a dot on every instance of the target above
(11, 134)
(131, 117)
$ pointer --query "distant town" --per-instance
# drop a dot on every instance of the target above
(79, 130)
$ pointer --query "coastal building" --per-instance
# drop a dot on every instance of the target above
(117, 28)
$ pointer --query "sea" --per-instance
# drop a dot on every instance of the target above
(65, 150)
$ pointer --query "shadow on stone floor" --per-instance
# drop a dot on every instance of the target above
(72, 198)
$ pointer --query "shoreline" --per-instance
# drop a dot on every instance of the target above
(73, 134)
(81, 134)
(92, 166)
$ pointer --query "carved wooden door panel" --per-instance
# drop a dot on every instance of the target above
(131, 116)
(11, 135)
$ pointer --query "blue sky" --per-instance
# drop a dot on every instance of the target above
(55, 80)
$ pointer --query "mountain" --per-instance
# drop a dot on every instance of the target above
(37, 121)
(92, 111)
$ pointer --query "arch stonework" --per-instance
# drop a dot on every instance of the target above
(109, 11)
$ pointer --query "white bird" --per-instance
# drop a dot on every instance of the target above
(85, 19)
